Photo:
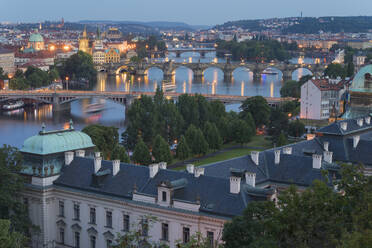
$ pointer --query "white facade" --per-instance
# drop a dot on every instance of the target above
(45, 211)
(99, 57)
(317, 103)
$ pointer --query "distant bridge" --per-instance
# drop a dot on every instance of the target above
(198, 69)
(60, 99)
(201, 51)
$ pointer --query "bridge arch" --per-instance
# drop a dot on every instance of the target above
(101, 68)
(300, 72)
(154, 66)
(48, 100)
(123, 68)
(218, 73)
(242, 70)
(120, 100)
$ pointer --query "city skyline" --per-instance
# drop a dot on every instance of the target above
(193, 12)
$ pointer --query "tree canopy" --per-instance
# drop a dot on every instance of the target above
(258, 107)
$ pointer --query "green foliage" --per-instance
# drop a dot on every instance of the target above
(198, 241)
(120, 153)
(278, 123)
(212, 136)
(259, 109)
(335, 70)
(296, 128)
(316, 217)
(183, 150)
(105, 138)
(241, 131)
(3, 75)
(282, 140)
(196, 140)
(255, 50)
(291, 88)
(11, 204)
(32, 78)
(10, 239)
(141, 154)
(161, 150)
(78, 67)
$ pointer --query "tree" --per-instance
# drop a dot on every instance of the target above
(296, 128)
(259, 109)
(120, 153)
(161, 150)
(11, 204)
(212, 136)
(350, 69)
(196, 140)
(241, 131)
(335, 70)
(141, 154)
(282, 140)
(11, 239)
(183, 150)
(291, 88)
(278, 123)
(105, 138)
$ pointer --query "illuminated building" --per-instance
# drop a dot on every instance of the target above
(84, 42)
(112, 55)
(99, 56)
(35, 43)
(113, 33)
(7, 60)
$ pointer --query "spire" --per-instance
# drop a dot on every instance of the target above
(85, 31)
(98, 37)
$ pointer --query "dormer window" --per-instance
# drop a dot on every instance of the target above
(164, 196)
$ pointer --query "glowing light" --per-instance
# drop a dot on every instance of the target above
(272, 89)
(52, 48)
(66, 47)
(242, 89)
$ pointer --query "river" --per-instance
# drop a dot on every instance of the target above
(17, 125)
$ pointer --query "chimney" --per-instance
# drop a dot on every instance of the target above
(199, 172)
(97, 163)
(163, 165)
(69, 156)
(190, 168)
(235, 185)
(356, 139)
(154, 168)
(328, 156)
(287, 150)
(254, 156)
(97, 154)
(317, 161)
(344, 125)
(325, 145)
(250, 178)
(277, 156)
(80, 153)
(360, 122)
(115, 167)
(368, 120)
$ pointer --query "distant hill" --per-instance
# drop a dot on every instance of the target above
(155, 25)
(306, 25)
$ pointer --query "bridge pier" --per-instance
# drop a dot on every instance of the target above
(57, 106)
(287, 75)
(178, 54)
(198, 74)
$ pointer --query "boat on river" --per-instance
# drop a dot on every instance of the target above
(13, 105)
(270, 71)
(94, 108)
(168, 86)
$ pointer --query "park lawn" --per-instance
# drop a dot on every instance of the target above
(224, 156)
(260, 141)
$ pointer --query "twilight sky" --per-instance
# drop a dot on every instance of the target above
(190, 11)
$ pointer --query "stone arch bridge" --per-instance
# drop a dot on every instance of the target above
(198, 69)
(61, 99)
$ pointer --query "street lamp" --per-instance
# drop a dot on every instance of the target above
(66, 83)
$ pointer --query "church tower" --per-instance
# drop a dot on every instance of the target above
(98, 43)
(84, 42)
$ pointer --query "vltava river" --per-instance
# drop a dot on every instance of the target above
(17, 125)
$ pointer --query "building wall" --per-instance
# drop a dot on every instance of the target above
(7, 62)
(44, 212)
(310, 101)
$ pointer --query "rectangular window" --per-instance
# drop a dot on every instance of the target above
(164, 196)
(126, 223)
(76, 212)
(210, 238)
(61, 208)
(92, 214)
(186, 235)
(108, 219)
(109, 243)
(145, 227)
(77, 240)
(62, 235)
(92, 241)
(164, 231)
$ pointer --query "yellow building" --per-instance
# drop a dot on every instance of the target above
(112, 55)
(84, 43)
(99, 57)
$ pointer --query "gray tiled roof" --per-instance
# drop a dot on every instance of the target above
(212, 192)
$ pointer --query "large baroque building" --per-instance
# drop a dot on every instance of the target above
(7, 61)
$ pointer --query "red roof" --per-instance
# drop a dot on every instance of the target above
(324, 84)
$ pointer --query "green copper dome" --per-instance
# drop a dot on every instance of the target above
(56, 142)
(36, 38)
(359, 82)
